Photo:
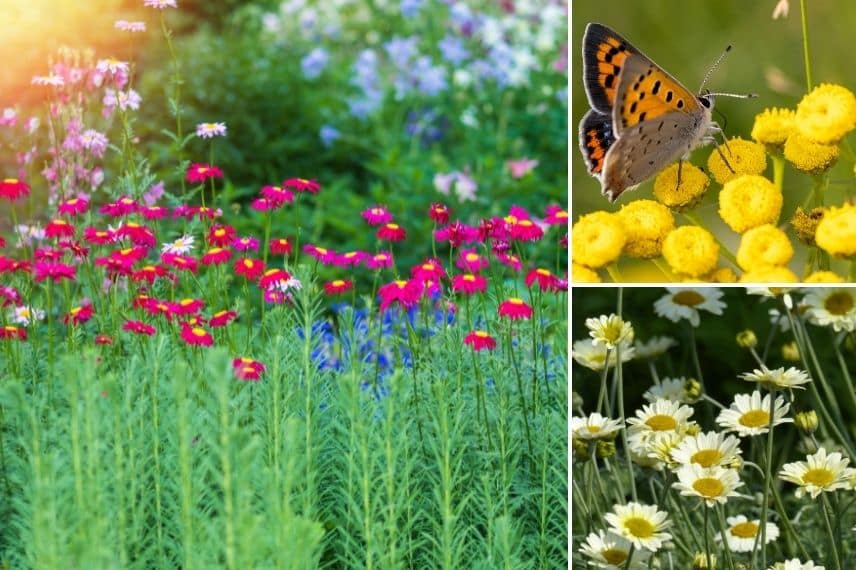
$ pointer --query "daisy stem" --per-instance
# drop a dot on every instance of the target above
(620, 382)
(825, 507)
(805, 45)
(630, 557)
(768, 483)
(851, 390)
(722, 526)
(786, 521)
(601, 397)
(707, 536)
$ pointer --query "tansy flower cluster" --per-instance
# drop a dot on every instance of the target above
(749, 203)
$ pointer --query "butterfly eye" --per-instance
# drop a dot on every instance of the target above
(705, 102)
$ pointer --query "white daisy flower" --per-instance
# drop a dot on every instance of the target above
(711, 484)
(795, 564)
(609, 550)
(819, 473)
(646, 448)
(112, 66)
(686, 302)
(181, 246)
(643, 525)
(741, 533)
(592, 356)
(52, 80)
(654, 347)
(661, 416)
(708, 450)
(595, 426)
(210, 130)
(749, 414)
(610, 330)
(779, 378)
(674, 389)
(835, 307)
(25, 315)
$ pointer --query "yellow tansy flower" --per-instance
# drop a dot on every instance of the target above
(773, 126)
(694, 183)
(764, 246)
(745, 157)
(582, 274)
(769, 275)
(824, 277)
(646, 224)
(826, 114)
(691, 251)
(597, 239)
(749, 201)
(809, 156)
(721, 275)
(836, 232)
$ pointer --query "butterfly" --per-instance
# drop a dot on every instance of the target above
(641, 118)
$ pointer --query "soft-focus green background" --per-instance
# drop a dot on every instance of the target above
(685, 37)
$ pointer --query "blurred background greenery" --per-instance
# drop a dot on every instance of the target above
(722, 360)
(243, 63)
(685, 38)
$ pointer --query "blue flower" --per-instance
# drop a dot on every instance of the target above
(452, 49)
(430, 79)
(314, 62)
(329, 134)
(410, 8)
(402, 50)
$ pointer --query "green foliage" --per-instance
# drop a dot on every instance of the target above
(149, 454)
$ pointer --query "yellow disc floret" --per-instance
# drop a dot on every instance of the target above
(737, 157)
(646, 224)
(597, 239)
(691, 251)
(836, 232)
(773, 126)
(810, 156)
(685, 196)
(748, 202)
(763, 247)
(826, 114)
(582, 274)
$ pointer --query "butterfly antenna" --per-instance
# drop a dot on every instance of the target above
(735, 95)
(714, 66)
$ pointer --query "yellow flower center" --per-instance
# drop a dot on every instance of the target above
(482, 334)
(706, 457)
(469, 277)
(338, 283)
(392, 226)
(755, 419)
(220, 313)
(472, 257)
(839, 303)
(543, 272)
(185, 302)
(709, 487)
(515, 301)
(10, 180)
(661, 422)
(614, 556)
(818, 477)
(401, 284)
(303, 180)
(321, 250)
(744, 530)
(639, 527)
(219, 232)
(76, 310)
(593, 429)
(198, 332)
(687, 298)
(525, 223)
(428, 267)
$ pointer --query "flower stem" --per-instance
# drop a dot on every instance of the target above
(825, 507)
(804, 17)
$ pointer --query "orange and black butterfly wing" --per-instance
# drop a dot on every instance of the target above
(604, 53)
(645, 92)
(596, 137)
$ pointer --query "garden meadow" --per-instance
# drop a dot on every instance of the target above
(304, 318)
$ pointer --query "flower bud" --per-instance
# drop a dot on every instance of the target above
(791, 351)
(700, 561)
(806, 421)
(747, 339)
(605, 448)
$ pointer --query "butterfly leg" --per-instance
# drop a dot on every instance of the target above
(721, 154)
(680, 169)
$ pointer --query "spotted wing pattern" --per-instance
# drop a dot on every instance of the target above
(645, 92)
(604, 53)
